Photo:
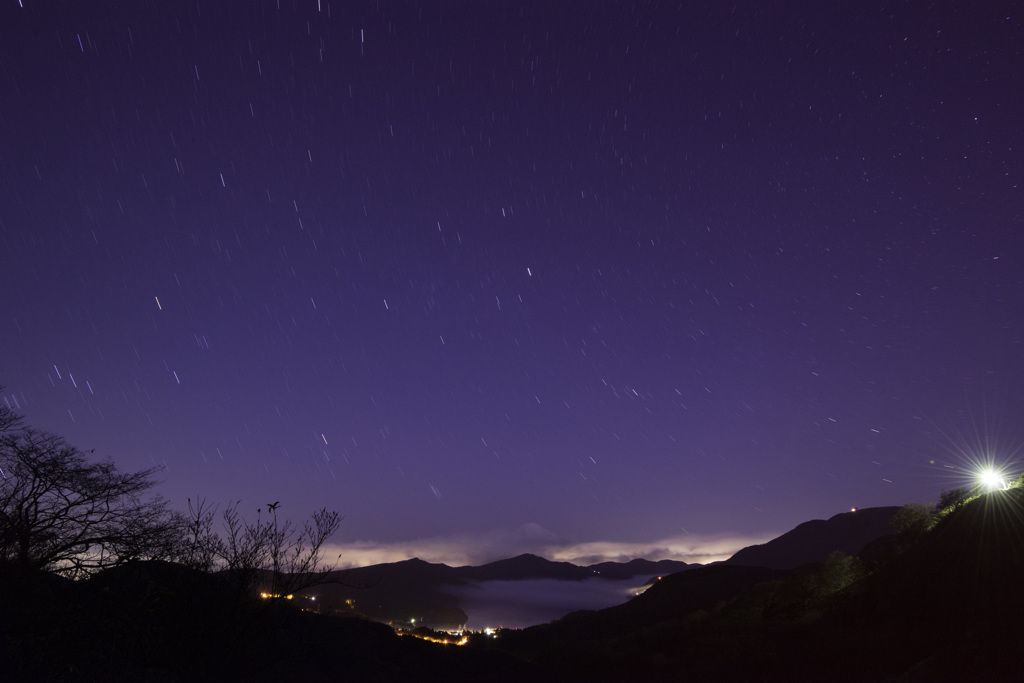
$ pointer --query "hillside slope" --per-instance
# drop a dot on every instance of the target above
(812, 541)
(947, 608)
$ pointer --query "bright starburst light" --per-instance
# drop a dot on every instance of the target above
(991, 480)
(986, 455)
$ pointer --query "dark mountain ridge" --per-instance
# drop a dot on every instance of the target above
(528, 566)
(638, 567)
(943, 606)
(847, 532)
(415, 591)
(525, 566)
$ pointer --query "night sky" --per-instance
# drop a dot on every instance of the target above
(586, 279)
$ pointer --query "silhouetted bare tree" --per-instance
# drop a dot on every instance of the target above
(62, 513)
(199, 546)
(268, 555)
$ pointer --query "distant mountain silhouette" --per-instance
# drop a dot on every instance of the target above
(400, 592)
(414, 592)
(638, 567)
(529, 566)
(524, 566)
(848, 532)
(407, 592)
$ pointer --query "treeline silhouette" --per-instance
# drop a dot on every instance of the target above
(101, 580)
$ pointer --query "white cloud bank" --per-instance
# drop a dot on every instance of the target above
(498, 544)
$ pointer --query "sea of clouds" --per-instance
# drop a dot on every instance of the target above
(518, 604)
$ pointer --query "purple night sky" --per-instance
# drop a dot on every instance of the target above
(585, 279)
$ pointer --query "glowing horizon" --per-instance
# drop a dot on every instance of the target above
(475, 550)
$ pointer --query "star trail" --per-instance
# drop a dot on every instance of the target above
(577, 278)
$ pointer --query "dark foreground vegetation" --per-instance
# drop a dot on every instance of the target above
(99, 582)
(157, 621)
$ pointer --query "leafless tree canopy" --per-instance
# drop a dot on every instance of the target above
(262, 554)
(60, 512)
